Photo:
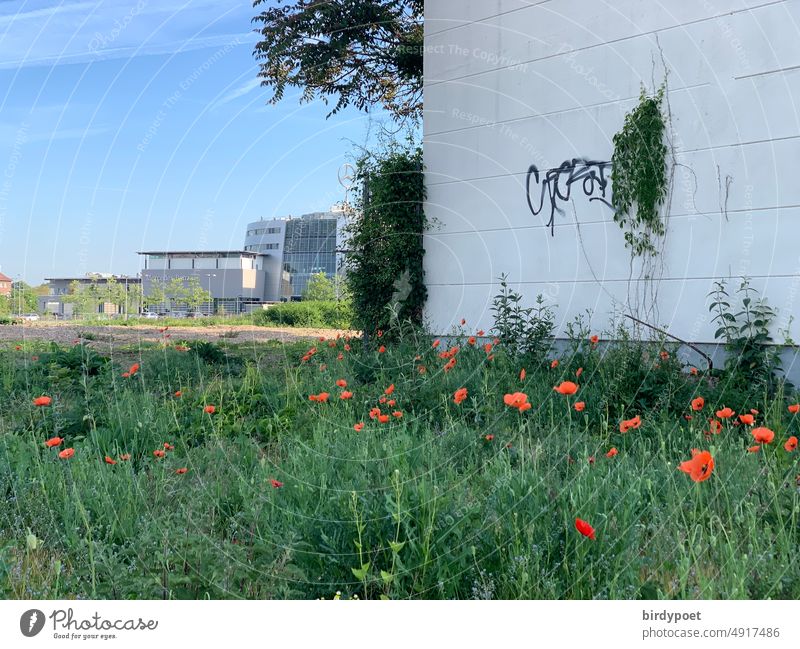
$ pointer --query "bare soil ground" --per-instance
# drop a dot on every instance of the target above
(105, 337)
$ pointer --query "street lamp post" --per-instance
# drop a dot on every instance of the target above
(210, 298)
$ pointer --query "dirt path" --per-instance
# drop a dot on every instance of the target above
(107, 336)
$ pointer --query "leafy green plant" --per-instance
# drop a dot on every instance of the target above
(336, 315)
(744, 327)
(639, 174)
(524, 331)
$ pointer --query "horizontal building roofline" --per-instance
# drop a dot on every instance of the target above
(245, 253)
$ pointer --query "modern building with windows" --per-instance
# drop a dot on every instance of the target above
(234, 279)
(58, 303)
(295, 248)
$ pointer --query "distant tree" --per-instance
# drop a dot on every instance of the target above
(320, 288)
(196, 295)
(156, 295)
(362, 52)
(23, 298)
(85, 298)
(5, 305)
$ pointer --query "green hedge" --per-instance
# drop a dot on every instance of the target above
(336, 315)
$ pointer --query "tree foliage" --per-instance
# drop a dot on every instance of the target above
(385, 251)
(360, 52)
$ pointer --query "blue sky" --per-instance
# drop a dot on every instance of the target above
(129, 125)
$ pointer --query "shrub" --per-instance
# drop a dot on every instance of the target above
(336, 315)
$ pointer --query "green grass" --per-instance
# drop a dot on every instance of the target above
(424, 506)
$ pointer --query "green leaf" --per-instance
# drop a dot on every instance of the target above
(387, 577)
(361, 573)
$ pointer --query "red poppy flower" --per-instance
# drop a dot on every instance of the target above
(794, 408)
(698, 403)
(178, 393)
(346, 348)
(322, 339)
(168, 446)
(380, 333)
(566, 388)
(463, 321)
(359, 427)
(554, 364)
(522, 374)
(159, 453)
(754, 449)
(716, 426)
(42, 401)
(382, 400)
(389, 390)
(133, 369)
(693, 371)
(753, 411)
(725, 413)
(612, 452)
(487, 347)
(578, 372)
(125, 457)
(763, 435)
(109, 460)
(182, 348)
(422, 369)
(54, 441)
(397, 414)
(391, 402)
(664, 355)
(450, 364)
(699, 467)
(66, 453)
(381, 349)
(594, 339)
(748, 420)
(341, 383)
(275, 483)
(332, 343)
(181, 471)
(580, 406)
(383, 419)
(34, 358)
(584, 528)
(436, 343)
(210, 409)
(346, 395)
(791, 444)
(460, 395)
(125, 375)
(375, 412)
(628, 424)
(488, 437)
(472, 340)
(518, 400)
(480, 332)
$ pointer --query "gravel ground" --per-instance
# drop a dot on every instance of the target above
(106, 337)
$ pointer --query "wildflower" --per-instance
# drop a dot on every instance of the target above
(133, 369)
(34, 358)
(346, 348)
(747, 420)
(518, 400)
(488, 437)
(322, 397)
(693, 371)
(181, 471)
(359, 427)
(375, 412)
(210, 409)
(522, 374)
(168, 446)
(66, 453)
(591, 459)
(664, 355)
(125, 375)
(763, 435)
(460, 395)
(450, 364)
(481, 332)
(753, 411)
(698, 403)
(184, 348)
(124, 457)
(436, 343)
(566, 388)
(422, 369)
(688, 417)
(398, 414)
(178, 393)
(340, 357)
(109, 460)
(725, 413)
(381, 349)
(472, 340)
(554, 364)
(341, 383)
(391, 402)
(791, 444)
(332, 343)
(42, 401)
(628, 424)
(612, 452)
(54, 441)
(346, 394)
(794, 408)
(716, 426)
(389, 390)
(380, 333)
(463, 321)
(578, 372)
(699, 467)
(753, 449)
(580, 406)
(159, 453)
(275, 483)
(382, 400)
(584, 528)
(384, 419)
(487, 347)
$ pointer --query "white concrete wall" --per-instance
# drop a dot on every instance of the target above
(510, 83)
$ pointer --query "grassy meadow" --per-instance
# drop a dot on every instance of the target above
(225, 470)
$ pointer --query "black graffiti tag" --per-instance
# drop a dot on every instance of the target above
(557, 183)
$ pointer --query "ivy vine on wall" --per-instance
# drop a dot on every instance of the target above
(385, 251)
(639, 174)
